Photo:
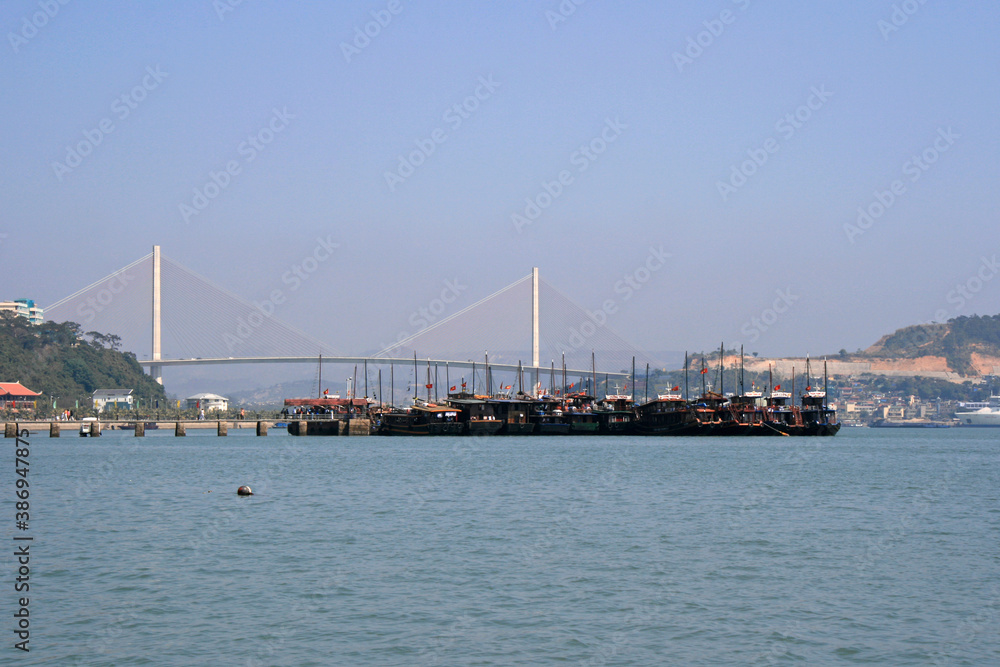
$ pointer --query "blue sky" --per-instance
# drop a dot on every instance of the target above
(200, 84)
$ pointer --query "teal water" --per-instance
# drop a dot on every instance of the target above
(873, 547)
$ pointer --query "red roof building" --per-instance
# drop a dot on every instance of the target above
(16, 395)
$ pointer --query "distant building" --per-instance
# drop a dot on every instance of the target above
(116, 398)
(26, 308)
(207, 402)
(16, 395)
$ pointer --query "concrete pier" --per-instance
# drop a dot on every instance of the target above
(140, 429)
(223, 428)
(261, 428)
(180, 430)
(359, 427)
(54, 430)
(10, 430)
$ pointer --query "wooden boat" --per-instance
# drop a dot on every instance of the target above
(476, 414)
(667, 414)
(513, 414)
(547, 416)
(422, 419)
(578, 411)
(615, 414)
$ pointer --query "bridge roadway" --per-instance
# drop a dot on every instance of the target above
(382, 361)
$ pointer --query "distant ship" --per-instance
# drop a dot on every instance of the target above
(988, 416)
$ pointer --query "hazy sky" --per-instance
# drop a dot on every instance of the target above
(738, 137)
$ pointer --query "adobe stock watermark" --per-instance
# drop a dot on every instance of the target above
(899, 17)
(563, 11)
(755, 326)
(714, 28)
(581, 158)
(426, 316)
(963, 293)
(631, 283)
(296, 275)
(786, 127)
(122, 107)
(104, 297)
(913, 169)
(249, 149)
(223, 7)
(381, 18)
(454, 116)
(31, 25)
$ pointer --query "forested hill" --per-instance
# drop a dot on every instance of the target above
(58, 359)
(956, 340)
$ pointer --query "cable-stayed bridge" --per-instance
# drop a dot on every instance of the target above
(184, 319)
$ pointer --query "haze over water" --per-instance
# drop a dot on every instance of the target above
(874, 547)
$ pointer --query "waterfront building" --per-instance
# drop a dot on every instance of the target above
(16, 395)
(113, 398)
(207, 402)
(26, 308)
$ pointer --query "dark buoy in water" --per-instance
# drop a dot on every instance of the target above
(244, 491)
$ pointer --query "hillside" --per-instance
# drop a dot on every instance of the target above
(966, 345)
(57, 359)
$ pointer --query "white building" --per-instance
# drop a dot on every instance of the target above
(115, 398)
(26, 308)
(207, 402)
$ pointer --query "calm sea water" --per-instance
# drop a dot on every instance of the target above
(874, 547)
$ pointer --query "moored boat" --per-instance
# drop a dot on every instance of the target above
(421, 418)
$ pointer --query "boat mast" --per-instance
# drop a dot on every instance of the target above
(563, 372)
(416, 378)
(593, 374)
(447, 378)
(647, 382)
(633, 376)
(687, 391)
(428, 387)
(381, 398)
(722, 369)
(520, 378)
(826, 395)
(354, 383)
(366, 379)
(436, 382)
(742, 370)
(704, 372)
(473, 378)
(319, 381)
(392, 383)
(552, 377)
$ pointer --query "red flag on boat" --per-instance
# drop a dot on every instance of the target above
(453, 389)
(326, 391)
(571, 384)
(463, 385)
(777, 387)
(508, 386)
(429, 386)
(704, 370)
(677, 388)
(808, 388)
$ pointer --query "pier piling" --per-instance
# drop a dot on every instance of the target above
(140, 429)
(54, 430)
(261, 428)
(223, 428)
(10, 430)
(180, 430)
